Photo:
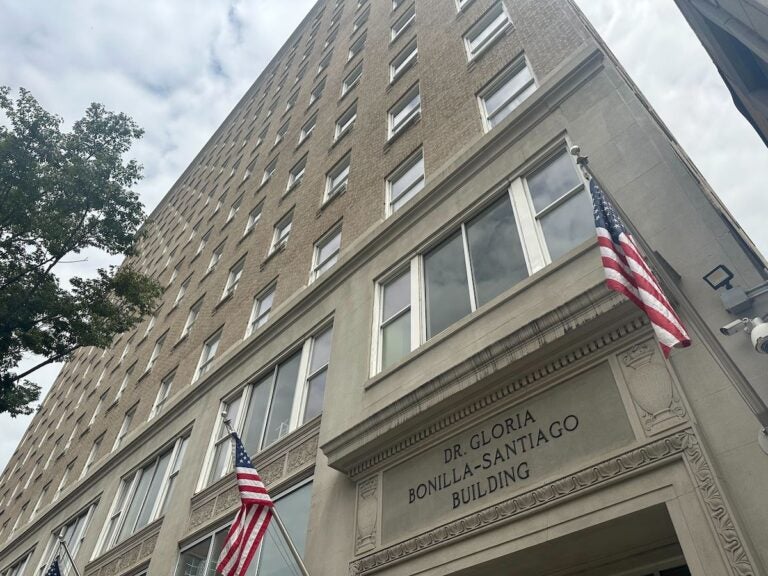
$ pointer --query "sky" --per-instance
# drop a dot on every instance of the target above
(178, 67)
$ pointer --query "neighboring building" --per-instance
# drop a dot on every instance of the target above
(382, 267)
(735, 33)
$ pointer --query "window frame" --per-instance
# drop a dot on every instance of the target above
(305, 132)
(341, 129)
(482, 24)
(280, 240)
(408, 58)
(395, 126)
(233, 279)
(344, 165)
(404, 21)
(357, 46)
(203, 365)
(324, 240)
(508, 74)
(355, 74)
(255, 315)
(398, 173)
(296, 173)
(163, 393)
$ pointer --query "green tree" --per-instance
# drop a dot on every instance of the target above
(60, 194)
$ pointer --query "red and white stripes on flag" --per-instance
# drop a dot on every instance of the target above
(627, 272)
(250, 524)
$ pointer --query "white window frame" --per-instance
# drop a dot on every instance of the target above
(163, 392)
(53, 542)
(345, 122)
(203, 241)
(315, 272)
(342, 167)
(91, 456)
(296, 173)
(297, 405)
(64, 479)
(404, 22)
(491, 19)
(235, 208)
(97, 410)
(397, 123)
(192, 315)
(233, 278)
(308, 128)
(155, 352)
(216, 255)
(41, 501)
(507, 75)
(281, 132)
(352, 79)
(325, 61)
(121, 503)
(182, 291)
(253, 218)
(403, 61)
(398, 173)
(259, 316)
(462, 4)
(269, 171)
(206, 357)
(317, 92)
(357, 46)
(124, 428)
(281, 232)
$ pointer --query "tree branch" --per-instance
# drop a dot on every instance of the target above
(50, 360)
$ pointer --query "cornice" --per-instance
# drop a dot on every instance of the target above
(367, 445)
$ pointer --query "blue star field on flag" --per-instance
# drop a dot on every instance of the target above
(54, 569)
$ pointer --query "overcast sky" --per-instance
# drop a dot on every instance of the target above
(179, 66)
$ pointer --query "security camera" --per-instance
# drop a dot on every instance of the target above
(734, 327)
(759, 335)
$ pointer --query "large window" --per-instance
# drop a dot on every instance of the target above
(142, 496)
(506, 93)
(486, 30)
(271, 559)
(17, 568)
(73, 532)
(290, 394)
(545, 214)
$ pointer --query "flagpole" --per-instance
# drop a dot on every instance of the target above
(740, 381)
(276, 517)
(63, 544)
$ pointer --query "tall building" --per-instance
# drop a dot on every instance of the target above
(383, 269)
(735, 34)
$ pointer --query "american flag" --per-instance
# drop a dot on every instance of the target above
(252, 519)
(626, 272)
(54, 569)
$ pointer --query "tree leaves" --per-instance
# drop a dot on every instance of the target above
(61, 193)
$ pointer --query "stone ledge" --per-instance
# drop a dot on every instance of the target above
(127, 554)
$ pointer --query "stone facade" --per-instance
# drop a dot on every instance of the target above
(657, 447)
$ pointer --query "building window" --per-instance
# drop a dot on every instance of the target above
(317, 92)
(92, 455)
(269, 171)
(207, 355)
(307, 128)
(281, 233)
(361, 20)
(233, 279)
(326, 253)
(357, 46)
(404, 60)
(64, 480)
(182, 291)
(336, 180)
(253, 218)
(405, 182)
(162, 395)
(123, 384)
(506, 93)
(543, 215)
(270, 559)
(155, 353)
(403, 22)
(352, 79)
(404, 111)
(18, 567)
(42, 500)
(142, 496)
(215, 257)
(292, 99)
(262, 306)
(250, 168)
(296, 173)
(73, 532)
(235, 208)
(278, 403)
(345, 121)
(281, 133)
(485, 31)
(194, 312)
(125, 428)
(324, 62)
(461, 4)
(203, 242)
(97, 410)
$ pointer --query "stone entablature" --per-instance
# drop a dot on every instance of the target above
(130, 554)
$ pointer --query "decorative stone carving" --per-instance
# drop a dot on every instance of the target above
(680, 444)
(729, 537)
(302, 455)
(201, 514)
(273, 471)
(148, 546)
(367, 514)
(652, 388)
(230, 498)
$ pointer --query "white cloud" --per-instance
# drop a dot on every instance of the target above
(178, 67)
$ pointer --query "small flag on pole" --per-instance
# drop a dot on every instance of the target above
(627, 272)
(252, 519)
(54, 569)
